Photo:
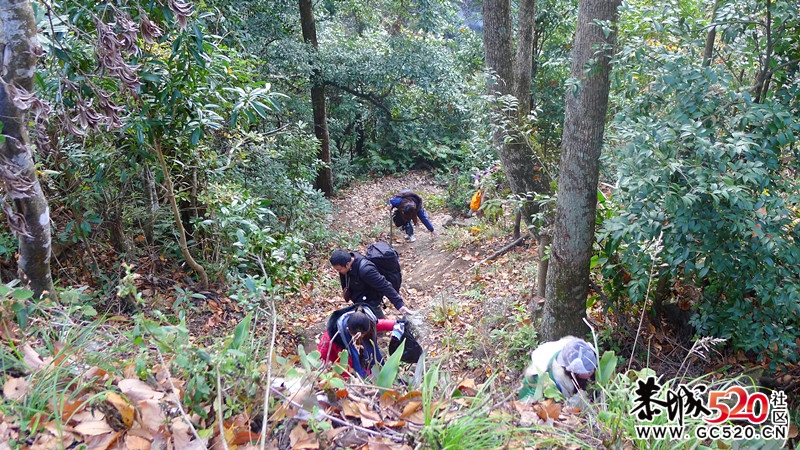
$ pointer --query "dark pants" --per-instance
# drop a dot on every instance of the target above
(377, 309)
(408, 227)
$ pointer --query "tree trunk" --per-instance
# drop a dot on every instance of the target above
(522, 77)
(761, 84)
(324, 181)
(584, 122)
(151, 198)
(201, 272)
(116, 230)
(538, 178)
(497, 46)
(544, 264)
(535, 177)
(29, 217)
(516, 156)
(708, 50)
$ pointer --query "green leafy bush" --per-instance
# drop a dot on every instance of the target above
(704, 166)
(233, 361)
(244, 240)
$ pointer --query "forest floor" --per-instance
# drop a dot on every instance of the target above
(473, 315)
(444, 282)
(462, 302)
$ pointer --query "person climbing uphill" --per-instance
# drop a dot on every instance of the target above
(570, 362)
(354, 328)
(362, 282)
(408, 211)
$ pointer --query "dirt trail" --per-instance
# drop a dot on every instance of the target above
(429, 271)
(438, 270)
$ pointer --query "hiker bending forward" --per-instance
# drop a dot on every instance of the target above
(408, 212)
(354, 328)
(570, 362)
(363, 283)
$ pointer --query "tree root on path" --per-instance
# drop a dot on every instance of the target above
(503, 250)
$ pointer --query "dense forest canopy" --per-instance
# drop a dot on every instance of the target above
(160, 137)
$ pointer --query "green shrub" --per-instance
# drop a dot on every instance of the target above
(243, 239)
(705, 178)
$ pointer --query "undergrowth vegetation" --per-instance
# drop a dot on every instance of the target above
(180, 157)
(89, 364)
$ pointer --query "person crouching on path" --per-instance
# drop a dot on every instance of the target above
(408, 212)
(354, 328)
(363, 283)
(570, 362)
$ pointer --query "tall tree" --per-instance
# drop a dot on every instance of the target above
(512, 77)
(538, 178)
(579, 168)
(525, 172)
(535, 177)
(324, 181)
(29, 216)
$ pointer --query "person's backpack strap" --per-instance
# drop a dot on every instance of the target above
(333, 321)
(363, 307)
(550, 370)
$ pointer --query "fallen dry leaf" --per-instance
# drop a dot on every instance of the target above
(410, 408)
(93, 428)
(137, 390)
(31, 358)
(468, 383)
(244, 437)
(151, 416)
(198, 444)
(350, 408)
(379, 445)
(70, 408)
(394, 423)
(181, 433)
(129, 371)
(161, 439)
(300, 439)
(369, 418)
(9, 331)
(133, 442)
(548, 409)
(528, 418)
(88, 415)
(417, 417)
(217, 439)
(15, 388)
(57, 429)
(124, 407)
(389, 398)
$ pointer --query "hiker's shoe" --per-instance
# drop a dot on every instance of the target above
(407, 237)
(412, 239)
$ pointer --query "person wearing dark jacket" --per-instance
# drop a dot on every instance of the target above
(408, 212)
(363, 283)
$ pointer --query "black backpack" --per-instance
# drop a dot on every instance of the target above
(387, 261)
(412, 350)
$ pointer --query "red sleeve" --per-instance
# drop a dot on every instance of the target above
(385, 325)
(328, 349)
